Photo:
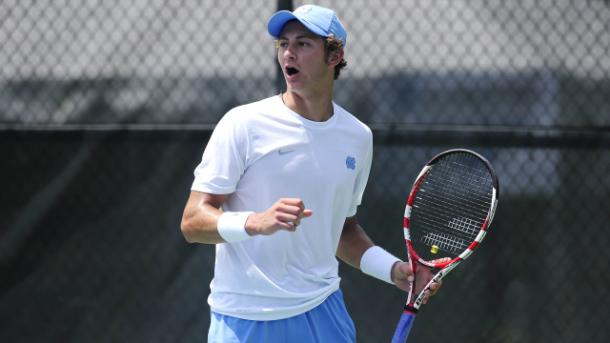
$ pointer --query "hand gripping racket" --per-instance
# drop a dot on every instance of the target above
(448, 212)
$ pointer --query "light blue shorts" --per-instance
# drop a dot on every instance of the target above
(328, 322)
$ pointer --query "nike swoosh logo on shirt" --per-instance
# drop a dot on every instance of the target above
(284, 151)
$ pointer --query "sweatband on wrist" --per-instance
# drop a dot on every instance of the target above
(232, 226)
(378, 263)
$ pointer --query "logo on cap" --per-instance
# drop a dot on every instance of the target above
(303, 9)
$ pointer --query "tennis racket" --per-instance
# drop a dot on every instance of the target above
(448, 212)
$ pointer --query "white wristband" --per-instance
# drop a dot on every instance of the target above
(231, 226)
(378, 263)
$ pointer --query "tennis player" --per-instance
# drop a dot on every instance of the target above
(277, 191)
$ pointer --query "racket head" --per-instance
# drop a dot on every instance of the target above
(450, 208)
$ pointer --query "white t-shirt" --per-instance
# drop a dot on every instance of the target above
(259, 153)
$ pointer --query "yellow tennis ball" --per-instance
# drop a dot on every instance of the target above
(434, 249)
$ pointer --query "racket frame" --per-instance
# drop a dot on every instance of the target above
(413, 303)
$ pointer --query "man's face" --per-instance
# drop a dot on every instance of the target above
(302, 58)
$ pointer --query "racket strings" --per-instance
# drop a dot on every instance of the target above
(469, 212)
(460, 183)
(452, 204)
(444, 242)
(472, 214)
(476, 194)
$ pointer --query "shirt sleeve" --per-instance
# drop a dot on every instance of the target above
(224, 158)
(362, 178)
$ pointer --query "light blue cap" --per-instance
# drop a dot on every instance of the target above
(319, 20)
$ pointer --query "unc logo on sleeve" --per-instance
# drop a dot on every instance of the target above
(350, 162)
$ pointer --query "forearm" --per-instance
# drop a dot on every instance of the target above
(199, 225)
(353, 243)
(204, 222)
(200, 218)
(359, 251)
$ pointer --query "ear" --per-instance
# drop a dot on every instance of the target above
(335, 57)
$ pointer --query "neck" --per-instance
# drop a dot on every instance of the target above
(315, 107)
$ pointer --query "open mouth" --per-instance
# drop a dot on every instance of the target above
(291, 71)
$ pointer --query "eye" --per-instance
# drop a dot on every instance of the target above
(281, 44)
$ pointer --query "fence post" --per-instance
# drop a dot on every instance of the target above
(279, 76)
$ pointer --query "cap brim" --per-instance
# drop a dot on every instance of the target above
(277, 21)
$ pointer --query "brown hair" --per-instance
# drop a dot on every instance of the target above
(331, 45)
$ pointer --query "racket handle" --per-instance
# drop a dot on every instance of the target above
(403, 327)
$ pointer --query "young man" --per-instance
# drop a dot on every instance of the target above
(277, 192)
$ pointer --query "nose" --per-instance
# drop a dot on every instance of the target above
(289, 52)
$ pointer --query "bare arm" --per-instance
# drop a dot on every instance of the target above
(353, 242)
(202, 210)
(200, 217)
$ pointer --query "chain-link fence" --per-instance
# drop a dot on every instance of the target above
(105, 108)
